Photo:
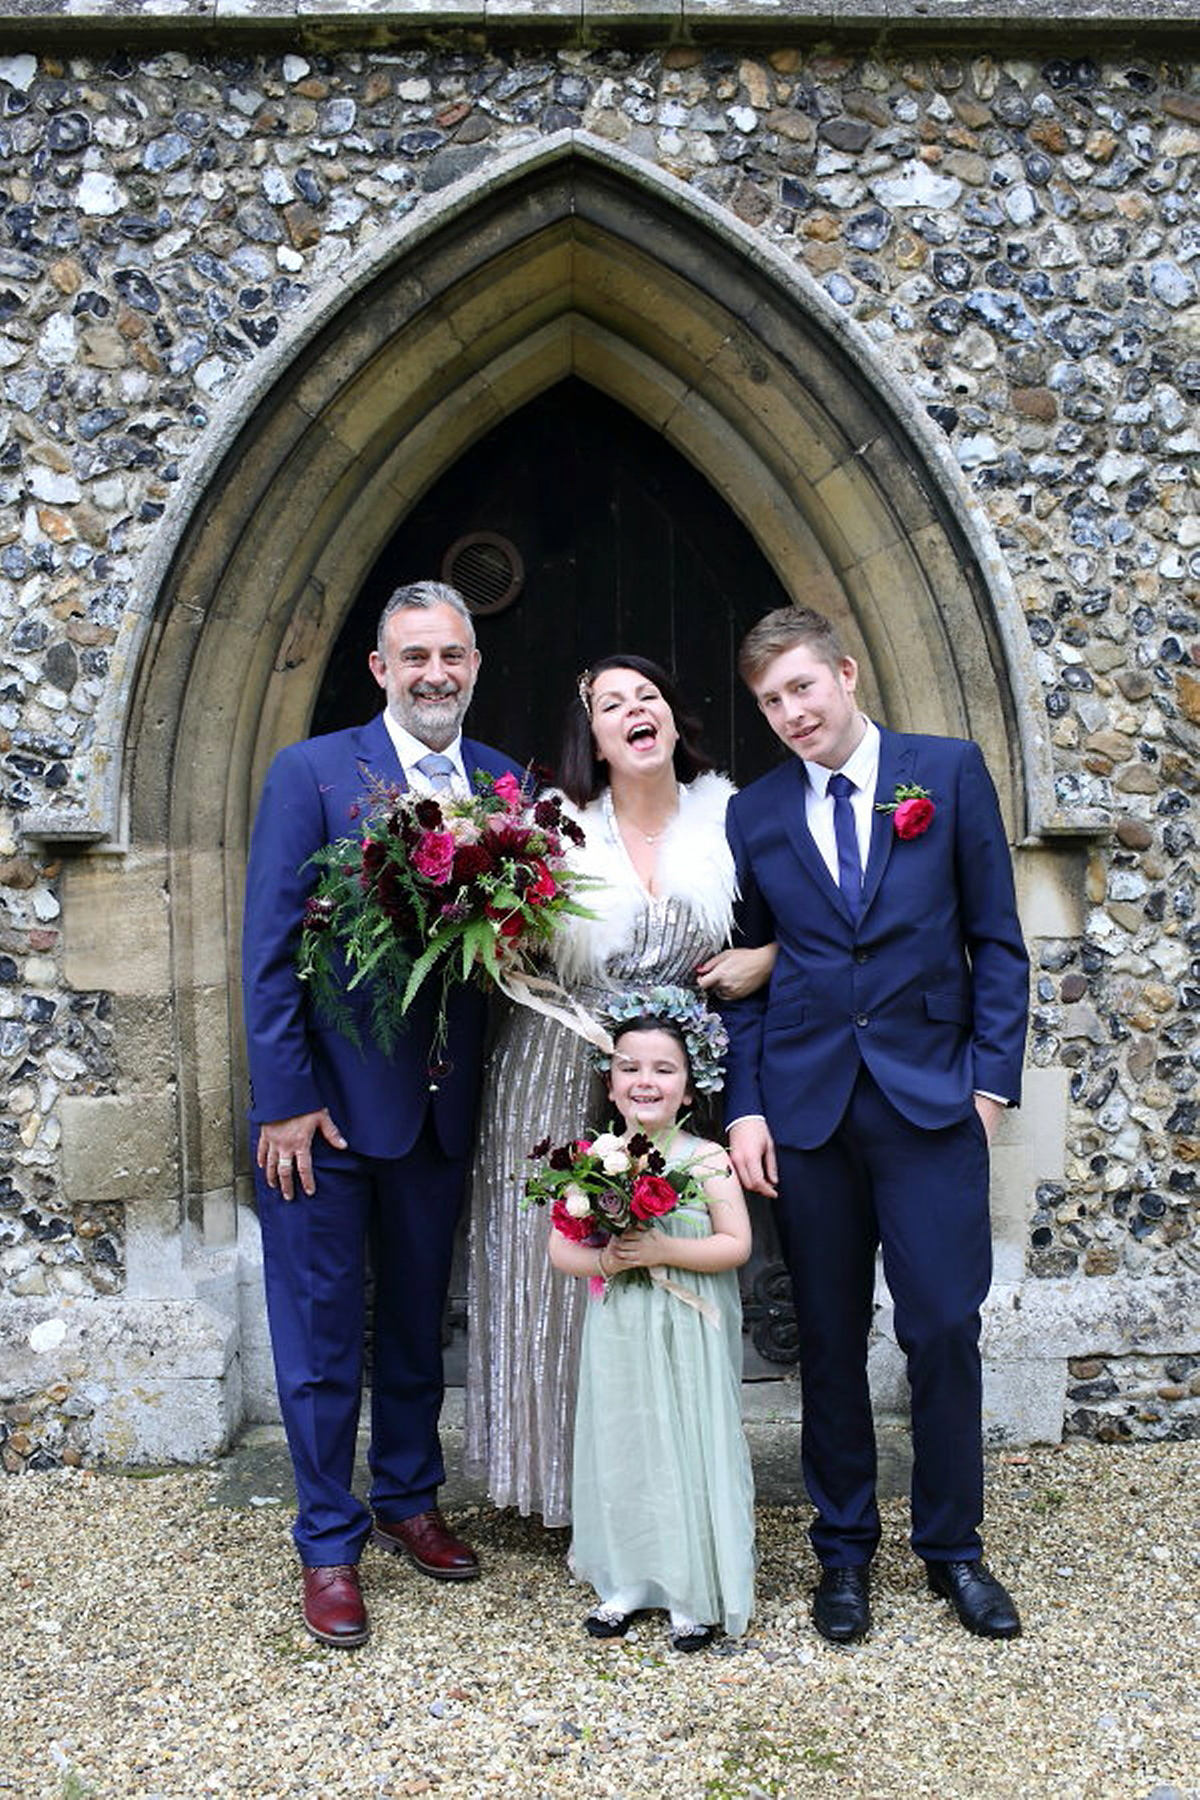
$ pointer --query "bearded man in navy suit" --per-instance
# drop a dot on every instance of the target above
(353, 1145)
(863, 1088)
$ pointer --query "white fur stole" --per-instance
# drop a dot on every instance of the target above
(694, 864)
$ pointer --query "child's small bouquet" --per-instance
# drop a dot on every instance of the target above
(598, 1187)
(468, 886)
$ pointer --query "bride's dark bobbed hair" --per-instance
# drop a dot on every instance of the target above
(581, 774)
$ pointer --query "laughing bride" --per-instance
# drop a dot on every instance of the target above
(653, 813)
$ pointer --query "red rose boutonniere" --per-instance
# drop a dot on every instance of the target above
(912, 809)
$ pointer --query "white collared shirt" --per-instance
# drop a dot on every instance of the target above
(410, 750)
(862, 768)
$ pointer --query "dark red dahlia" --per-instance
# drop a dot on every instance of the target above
(318, 914)
(394, 901)
(505, 838)
(471, 861)
(373, 858)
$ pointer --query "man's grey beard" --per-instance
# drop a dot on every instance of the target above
(438, 730)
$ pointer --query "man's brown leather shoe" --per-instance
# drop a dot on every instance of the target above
(333, 1606)
(427, 1541)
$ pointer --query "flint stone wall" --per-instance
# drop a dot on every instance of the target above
(1018, 235)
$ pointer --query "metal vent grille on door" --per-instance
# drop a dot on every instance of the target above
(486, 569)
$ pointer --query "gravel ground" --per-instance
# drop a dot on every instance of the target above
(152, 1650)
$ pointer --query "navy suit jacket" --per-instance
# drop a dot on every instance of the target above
(929, 989)
(298, 1062)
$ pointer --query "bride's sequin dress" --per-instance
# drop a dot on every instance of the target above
(524, 1318)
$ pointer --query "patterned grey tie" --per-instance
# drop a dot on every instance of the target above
(438, 771)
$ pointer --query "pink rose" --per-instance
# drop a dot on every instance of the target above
(434, 857)
(651, 1197)
(912, 817)
(507, 788)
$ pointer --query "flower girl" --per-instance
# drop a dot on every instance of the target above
(663, 1496)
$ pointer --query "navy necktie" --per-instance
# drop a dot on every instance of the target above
(846, 833)
(438, 771)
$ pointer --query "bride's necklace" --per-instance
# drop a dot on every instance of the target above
(626, 825)
(619, 824)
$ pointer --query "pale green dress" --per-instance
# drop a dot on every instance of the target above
(663, 1492)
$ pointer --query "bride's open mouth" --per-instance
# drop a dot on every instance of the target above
(642, 733)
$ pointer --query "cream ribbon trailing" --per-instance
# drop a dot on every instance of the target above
(704, 1307)
(599, 1284)
(547, 998)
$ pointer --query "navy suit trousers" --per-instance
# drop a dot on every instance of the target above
(314, 1263)
(923, 1196)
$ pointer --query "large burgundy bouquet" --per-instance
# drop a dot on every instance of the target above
(469, 888)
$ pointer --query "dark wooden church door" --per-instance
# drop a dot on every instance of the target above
(624, 547)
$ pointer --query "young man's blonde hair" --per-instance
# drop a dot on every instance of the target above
(782, 630)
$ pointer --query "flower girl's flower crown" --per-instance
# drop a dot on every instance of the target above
(702, 1031)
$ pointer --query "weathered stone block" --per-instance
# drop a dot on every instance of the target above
(862, 517)
(1024, 1401)
(651, 392)
(260, 1397)
(116, 925)
(1011, 1206)
(211, 1129)
(206, 1033)
(160, 1379)
(119, 1146)
(144, 1034)
(1063, 1318)
(198, 875)
(218, 1218)
(1040, 1122)
(1050, 889)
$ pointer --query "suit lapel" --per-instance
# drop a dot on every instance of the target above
(473, 760)
(375, 748)
(795, 818)
(896, 758)
(377, 753)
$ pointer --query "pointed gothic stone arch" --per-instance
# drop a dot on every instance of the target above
(573, 256)
(570, 259)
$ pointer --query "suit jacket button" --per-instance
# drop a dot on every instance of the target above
(861, 1020)
(860, 956)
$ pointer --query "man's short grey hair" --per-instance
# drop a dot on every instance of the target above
(419, 596)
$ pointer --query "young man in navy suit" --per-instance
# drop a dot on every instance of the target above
(351, 1144)
(863, 1088)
